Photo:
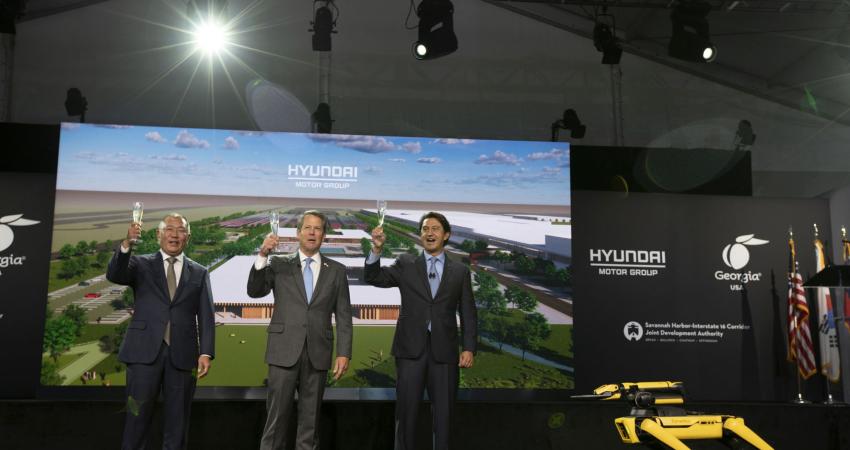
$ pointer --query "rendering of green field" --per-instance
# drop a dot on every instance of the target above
(240, 351)
(519, 346)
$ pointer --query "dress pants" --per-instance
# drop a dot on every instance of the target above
(144, 383)
(280, 403)
(441, 380)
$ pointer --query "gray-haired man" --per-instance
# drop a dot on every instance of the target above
(307, 288)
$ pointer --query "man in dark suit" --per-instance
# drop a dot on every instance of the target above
(433, 290)
(171, 333)
(308, 288)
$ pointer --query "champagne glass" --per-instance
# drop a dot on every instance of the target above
(382, 212)
(274, 222)
(138, 213)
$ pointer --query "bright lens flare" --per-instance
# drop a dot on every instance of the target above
(709, 53)
(210, 38)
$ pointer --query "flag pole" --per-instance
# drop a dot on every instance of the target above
(799, 399)
(829, 399)
(795, 268)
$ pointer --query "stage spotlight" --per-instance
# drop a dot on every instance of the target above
(691, 40)
(744, 136)
(605, 39)
(210, 37)
(321, 118)
(324, 23)
(569, 121)
(436, 29)
(76, 104)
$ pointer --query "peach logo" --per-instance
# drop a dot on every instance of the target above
(7, 236)
(736, 255)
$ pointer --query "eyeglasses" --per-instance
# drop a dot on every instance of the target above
(180, 231)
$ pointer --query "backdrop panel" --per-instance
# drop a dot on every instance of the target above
(690, 288)
(27, 187)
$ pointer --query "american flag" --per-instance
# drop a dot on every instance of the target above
(799, 337)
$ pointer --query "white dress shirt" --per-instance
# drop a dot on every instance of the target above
(178, 265)
(316, 265)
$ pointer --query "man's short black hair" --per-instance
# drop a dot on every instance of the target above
(439, 217)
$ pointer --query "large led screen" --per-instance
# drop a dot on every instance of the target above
(508, 203)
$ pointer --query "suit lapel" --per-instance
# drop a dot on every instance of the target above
(447, 270)
(422, 274)
(185, 276)
(324, 274)
(297, 275)
(159, 276)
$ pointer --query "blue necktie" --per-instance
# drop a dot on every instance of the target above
(433, 276)
(308, 278)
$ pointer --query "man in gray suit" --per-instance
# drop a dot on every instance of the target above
(434, 291)
(171, 333)
(307, 288)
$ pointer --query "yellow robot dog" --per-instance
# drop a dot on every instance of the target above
(653, 419)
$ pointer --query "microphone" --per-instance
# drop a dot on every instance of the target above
(432, 275)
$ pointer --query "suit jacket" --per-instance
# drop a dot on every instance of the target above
(295, 323)
(418, 307)
(191, 312)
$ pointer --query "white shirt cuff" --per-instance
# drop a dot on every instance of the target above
(261, 262)
(373, 258)
(124, 249)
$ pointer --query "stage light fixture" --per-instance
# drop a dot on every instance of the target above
(436, 35)
(605, 39)
(744, 136)
(76, 104)
(210, 37)
(691, 40)
(324, 24)
(321, 118)
(569, 121)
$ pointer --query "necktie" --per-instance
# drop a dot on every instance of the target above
(433, 277)
(171, 279)
(308, 278)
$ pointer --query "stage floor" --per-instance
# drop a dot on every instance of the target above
(367, 425)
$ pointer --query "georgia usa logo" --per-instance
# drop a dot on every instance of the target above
(7, 237)
(736, 256)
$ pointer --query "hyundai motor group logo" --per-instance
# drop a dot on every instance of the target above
(628, 262)
(633, 331)
(311, 176)
(736, 256)
(7, 237)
